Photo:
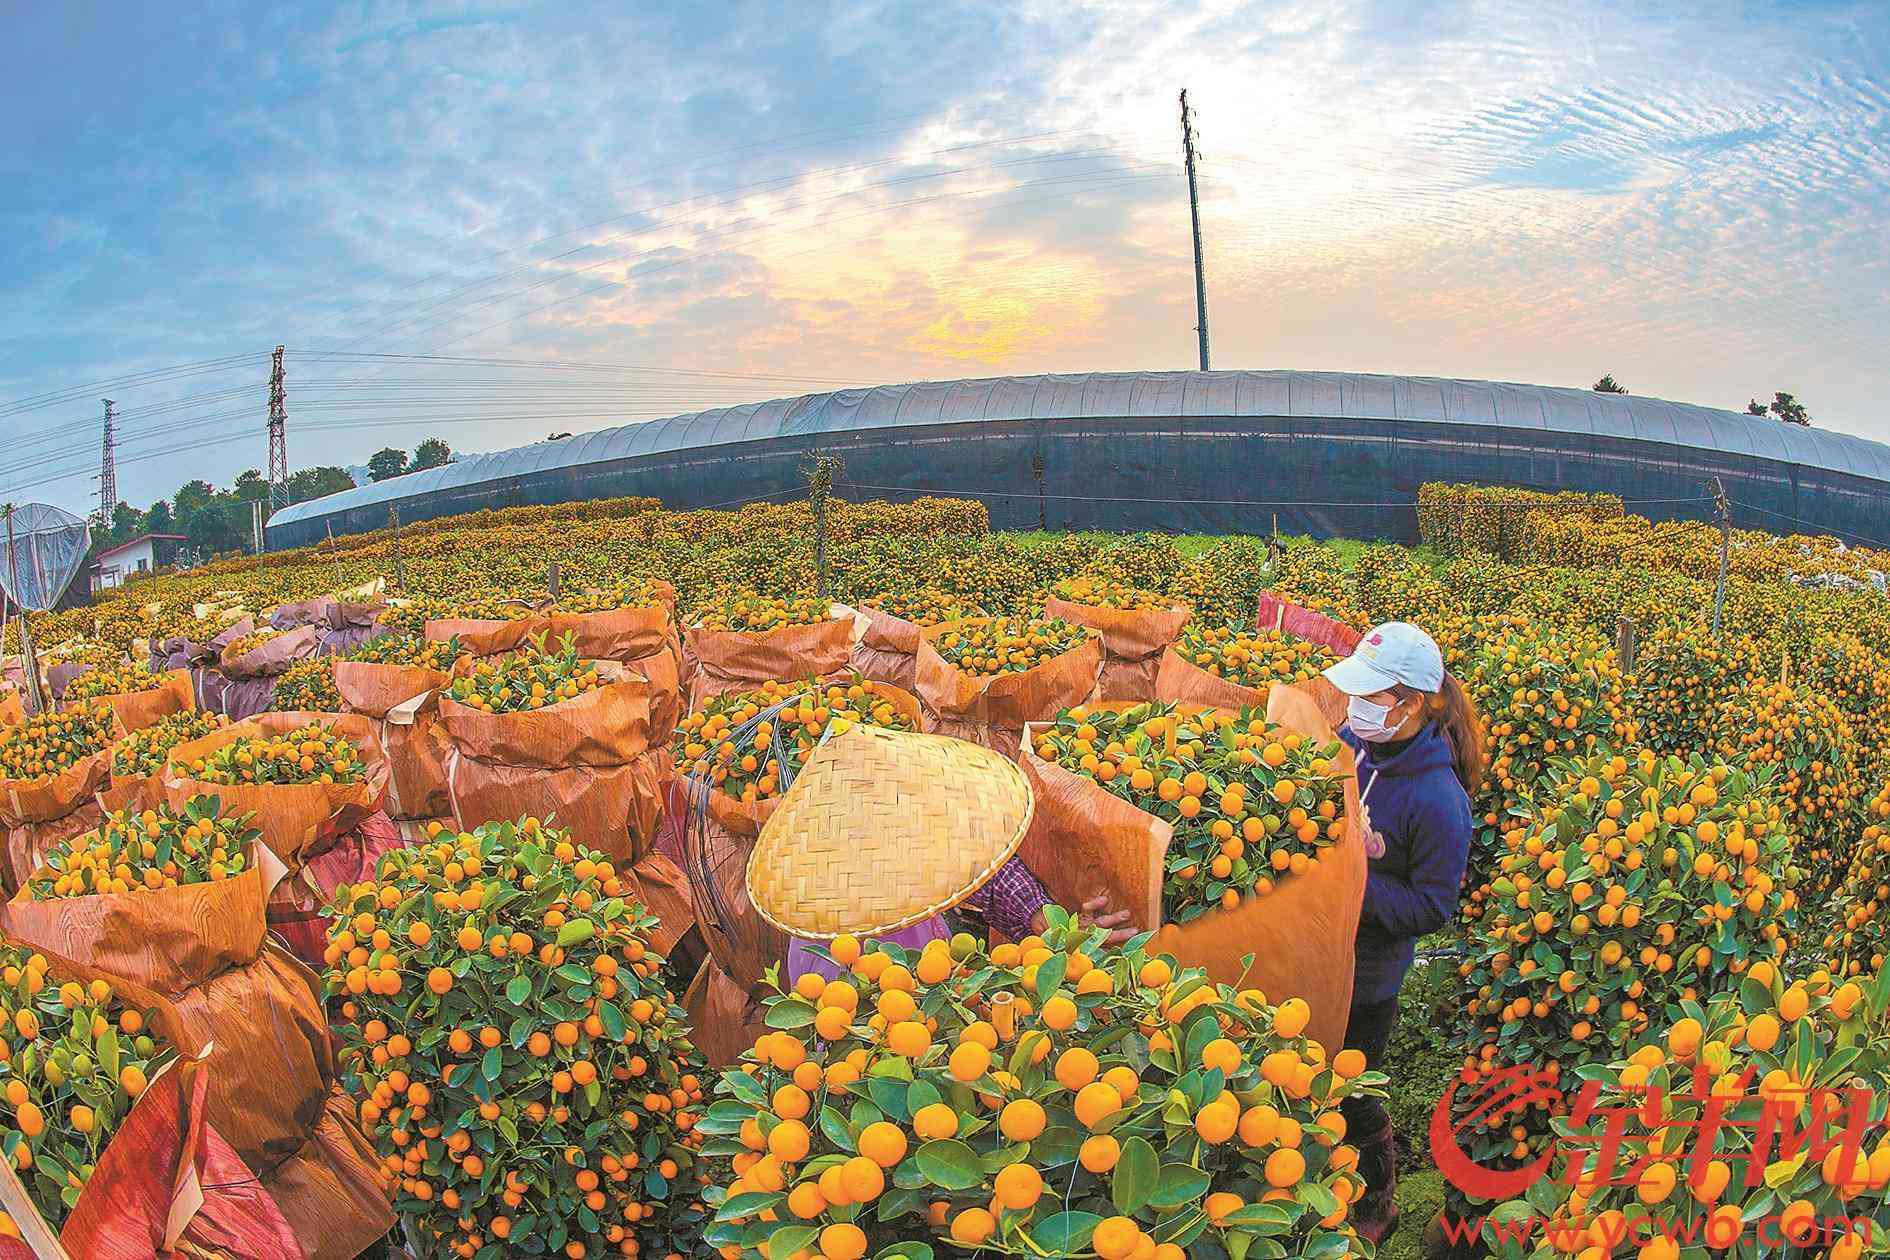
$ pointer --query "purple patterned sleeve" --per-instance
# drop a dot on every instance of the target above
(1010, 899)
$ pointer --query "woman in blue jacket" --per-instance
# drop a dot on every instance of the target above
(1420, 756)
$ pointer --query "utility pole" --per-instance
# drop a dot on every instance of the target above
(1194, 213)
(278, 438)
(107, 476)
(1723, 510)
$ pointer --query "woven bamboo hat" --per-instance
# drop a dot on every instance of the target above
(884, 829)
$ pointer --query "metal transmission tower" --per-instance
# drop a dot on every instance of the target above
(107, 476)
(1194, 213)
(278, 438)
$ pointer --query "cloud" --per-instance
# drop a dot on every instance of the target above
(1693, 200)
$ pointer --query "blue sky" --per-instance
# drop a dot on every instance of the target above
(745, 200)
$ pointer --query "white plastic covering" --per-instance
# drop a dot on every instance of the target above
(1106, 395)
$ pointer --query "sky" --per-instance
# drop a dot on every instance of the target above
(491, 222)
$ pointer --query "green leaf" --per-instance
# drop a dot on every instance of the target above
(788, 1239)
(949, 1165)
(1178, 1184)
(1135, 1176)
(108, 1054)
(612, 1019)
(517, 989)
(790, 1013)
(748, 1204)
(489, 1065)
(1066, 1232)
(905, 1251)
(1050, 974)
(746, 1088)
(834, 1127)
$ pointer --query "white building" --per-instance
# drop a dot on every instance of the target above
(143, 554)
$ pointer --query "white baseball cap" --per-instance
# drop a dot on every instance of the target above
(1396, 652)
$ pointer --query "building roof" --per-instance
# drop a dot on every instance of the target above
(1108, 395)
(129, 543)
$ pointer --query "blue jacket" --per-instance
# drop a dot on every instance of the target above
(1421, 810)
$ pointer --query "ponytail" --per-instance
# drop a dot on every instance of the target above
(1450, 707)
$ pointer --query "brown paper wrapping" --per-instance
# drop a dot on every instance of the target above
(664, 891)
(720, 661)
(885, 648)
(725, 1019)
(330, 1188)
(1181, 681)
(139, 709)
(991, 710)
(1274, 613)
(138, 791)
(297, 820)
(479, 637)
(1084, 841)
(643, 638)
(202, 948)
(273, 657)
(38, 813)
(1133, 643)
(402, 702)
(595, 763)
(12, 711)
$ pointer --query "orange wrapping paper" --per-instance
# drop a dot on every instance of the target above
(1085, 841)
(297, 820)
(587, 762)
(725, 1019)
(402, 702)
(991, 710)
(719, 661)
(39, 813)
(1133, 643)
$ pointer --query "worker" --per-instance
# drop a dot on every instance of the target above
(1419, 749)
(859, 845)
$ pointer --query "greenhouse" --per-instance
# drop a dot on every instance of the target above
(1322, 453)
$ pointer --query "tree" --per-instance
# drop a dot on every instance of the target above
(1755, 408)
(250, 486)
(386, 462)
(213, 527)
(127, 521)
(552, 437)
(159, 520)
(1789, 410)
(430, 454)
(1608, 385)
(313, 483)
(192, 495)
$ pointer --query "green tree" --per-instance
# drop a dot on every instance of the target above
(159, 519)
(386, 462)
(313, 483)
(214, 527)
(430, 454)
(192, 495)
(1789, 410)
(251, 486)
(1608, 385)
(1755, 408)
(127, 523)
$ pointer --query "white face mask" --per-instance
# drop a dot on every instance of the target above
(1370, 721)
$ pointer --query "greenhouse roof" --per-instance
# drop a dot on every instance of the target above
(1121, 395)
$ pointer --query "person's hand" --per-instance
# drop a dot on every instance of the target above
(1097, 913)
(1374, 843)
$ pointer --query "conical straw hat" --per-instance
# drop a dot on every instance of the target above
(884, 829)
